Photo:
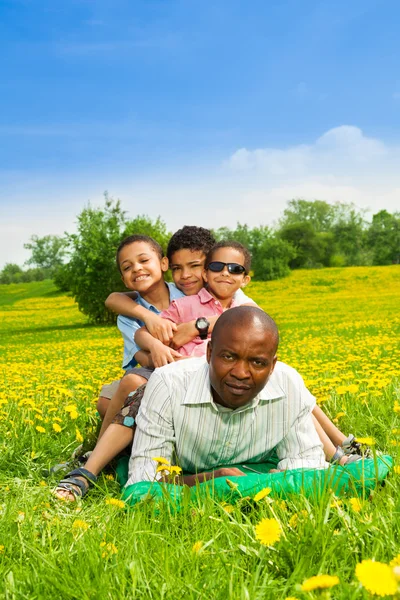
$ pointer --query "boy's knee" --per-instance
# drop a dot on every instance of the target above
(131, 382)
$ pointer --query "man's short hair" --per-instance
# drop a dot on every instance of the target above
(244, 316)
(131, 239)
(231, 244)
(191, 238)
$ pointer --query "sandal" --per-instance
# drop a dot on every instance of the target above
(75, 486)
(339, 454)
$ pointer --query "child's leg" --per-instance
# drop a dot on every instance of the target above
(106, 393)
(128, 384)
(329, 448)
(114, 440)
(333, 433)
(102, 405)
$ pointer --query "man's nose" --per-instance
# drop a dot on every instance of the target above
(240, 370)
(185, 273)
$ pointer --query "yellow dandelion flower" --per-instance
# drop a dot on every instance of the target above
(110, 477)
(78, 436)
(368, 441)
(43, 483)
(395, 562)
(175, 469)
(79, 524)
(290, 598)
(340, 415)
(396, 407)
(163, 468)
(353, 388)
(262, 494)
(2, 549)
(115, 502)
(355, 504)
(56, 427)
(341, 390)
(109, 549)
(74, 414)
(40, 429)
(396, 469)
(268, 531)
(319, 582)
(197, 546)
(376, 577)
(161, 460)
(282, 505)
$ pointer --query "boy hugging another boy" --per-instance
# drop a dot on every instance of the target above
(188, 323)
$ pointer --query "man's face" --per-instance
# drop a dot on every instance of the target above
(241, 360)
(187, 270)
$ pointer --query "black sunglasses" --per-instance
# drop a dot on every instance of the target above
(233, 268)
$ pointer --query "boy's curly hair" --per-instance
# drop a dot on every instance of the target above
(131, 239)
(231, 244)
(192, 238)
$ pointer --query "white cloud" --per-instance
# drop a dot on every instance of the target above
(251, 186)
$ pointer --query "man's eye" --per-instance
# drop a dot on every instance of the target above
(144, 260)
(227, 356)
(259, 363)
(174, 269)
(126, 268)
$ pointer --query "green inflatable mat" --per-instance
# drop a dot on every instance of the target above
(358, 478)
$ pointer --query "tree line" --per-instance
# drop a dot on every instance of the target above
(310, 234)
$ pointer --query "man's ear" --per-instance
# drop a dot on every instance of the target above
(204, 274)
(246, 280)
(208, 353)
(274, 363)
(164, 264)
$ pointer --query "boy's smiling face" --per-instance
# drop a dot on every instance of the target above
(141, 267)
(224, 284)
(187, 268)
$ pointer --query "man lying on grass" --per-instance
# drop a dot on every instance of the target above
(236, 406)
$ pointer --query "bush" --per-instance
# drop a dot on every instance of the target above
(91, 274)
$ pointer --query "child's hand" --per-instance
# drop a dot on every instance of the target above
(186, 333)
(163, 355)
(161, 329)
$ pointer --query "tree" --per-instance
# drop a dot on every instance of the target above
(312, 248)
(48, 252)
(11, 273)
(91, 273)
(384, 238)
(318, 214)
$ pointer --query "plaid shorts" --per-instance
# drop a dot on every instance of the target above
(128, 413)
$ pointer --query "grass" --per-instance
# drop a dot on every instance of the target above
(339, 327)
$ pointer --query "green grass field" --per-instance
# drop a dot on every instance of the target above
(339, 327)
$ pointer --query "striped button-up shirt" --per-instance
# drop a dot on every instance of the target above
(179, 421)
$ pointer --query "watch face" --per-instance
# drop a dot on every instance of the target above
(202, 323)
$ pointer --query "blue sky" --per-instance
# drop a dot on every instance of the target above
(206, 112)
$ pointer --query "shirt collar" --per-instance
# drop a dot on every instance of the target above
(199, 390)
(205, 296)
(174, 293)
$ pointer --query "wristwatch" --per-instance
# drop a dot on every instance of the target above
(202, 326)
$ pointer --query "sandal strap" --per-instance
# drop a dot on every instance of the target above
(81, 472)
(71, 484)
(337, 456)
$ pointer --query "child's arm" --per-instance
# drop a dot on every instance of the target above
(187, 332)
(125, 304)
(160, 354)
